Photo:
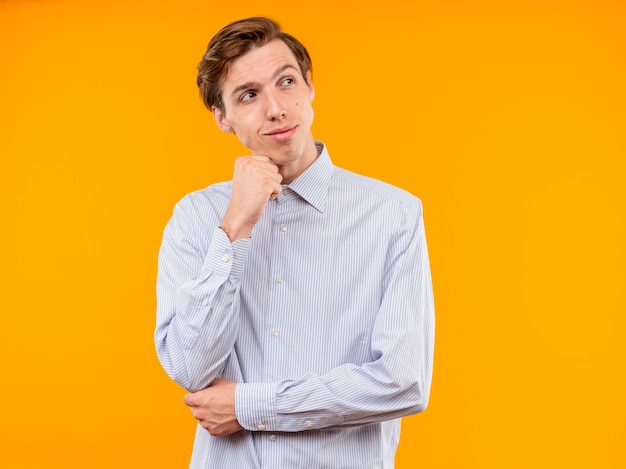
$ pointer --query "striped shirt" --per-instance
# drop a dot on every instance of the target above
(324, 317)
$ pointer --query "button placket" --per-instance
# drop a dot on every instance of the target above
(275, 352)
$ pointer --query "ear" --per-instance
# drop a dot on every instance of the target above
(310, 85)
(221, 120)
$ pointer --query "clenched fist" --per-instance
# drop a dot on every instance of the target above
(255, 182)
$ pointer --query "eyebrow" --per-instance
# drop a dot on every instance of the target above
(254, 84)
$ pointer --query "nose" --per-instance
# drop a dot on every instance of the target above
(276, 108)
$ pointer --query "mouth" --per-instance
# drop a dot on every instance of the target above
(282, 133)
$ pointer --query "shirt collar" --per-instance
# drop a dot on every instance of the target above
(313, 184)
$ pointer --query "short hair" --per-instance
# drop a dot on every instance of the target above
(235, 40)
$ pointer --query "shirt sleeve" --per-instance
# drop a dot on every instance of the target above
(197, 299)
(394, 384)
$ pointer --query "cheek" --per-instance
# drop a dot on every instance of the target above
(309, 110)
(243, 127)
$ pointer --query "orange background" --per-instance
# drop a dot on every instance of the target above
(506, 118)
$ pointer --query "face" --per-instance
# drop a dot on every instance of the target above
(267, 104)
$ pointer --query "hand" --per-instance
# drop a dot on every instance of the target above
(214, 407)
(255, 181)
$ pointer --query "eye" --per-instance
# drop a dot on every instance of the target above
(288, 82)
(247, 96)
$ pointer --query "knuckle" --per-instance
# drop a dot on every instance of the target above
(242, 162)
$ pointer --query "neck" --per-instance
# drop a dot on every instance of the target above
(290, 172)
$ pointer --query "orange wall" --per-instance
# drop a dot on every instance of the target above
(506, 118)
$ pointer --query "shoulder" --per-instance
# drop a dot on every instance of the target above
(204, 204)
(209, 196)
(379, 192)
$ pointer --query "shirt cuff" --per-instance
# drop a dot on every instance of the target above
(255, 406)
(224, 257)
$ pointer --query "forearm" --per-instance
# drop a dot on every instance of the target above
(392, 382)
(347, 396)
(197, 312)
(194, 345)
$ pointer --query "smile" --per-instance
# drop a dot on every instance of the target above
(283, 133)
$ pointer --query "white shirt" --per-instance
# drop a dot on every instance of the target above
(324, 317)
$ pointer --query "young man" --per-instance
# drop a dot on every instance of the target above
(295, 301)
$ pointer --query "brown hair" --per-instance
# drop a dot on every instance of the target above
(235, 40)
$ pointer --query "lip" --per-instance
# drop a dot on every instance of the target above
(282, 133)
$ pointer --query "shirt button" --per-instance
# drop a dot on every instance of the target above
(279, 280)
(275, 332)
(308, 424)
(273, 438)
(226, 258)
(283, 228)
(205, 302)
(260, 427)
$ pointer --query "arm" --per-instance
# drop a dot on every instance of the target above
(197, 299)
(199, 274)
(395, 383)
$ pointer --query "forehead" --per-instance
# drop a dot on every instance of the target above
(259, 64)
